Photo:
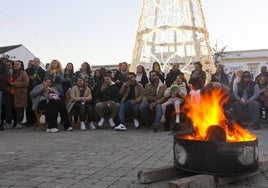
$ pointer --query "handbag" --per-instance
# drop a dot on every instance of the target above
(53, 97)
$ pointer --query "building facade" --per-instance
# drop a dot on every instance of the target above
(18, 52)
(250, 60)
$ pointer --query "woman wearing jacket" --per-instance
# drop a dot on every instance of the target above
(20, 84)
(42, 100)
(80, 101)
(246, 95)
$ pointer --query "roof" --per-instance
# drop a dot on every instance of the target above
(8, 48)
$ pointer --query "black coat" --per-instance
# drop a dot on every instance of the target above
(110, 93)
(3, 76)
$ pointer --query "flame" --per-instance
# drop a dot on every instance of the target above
(205, 109)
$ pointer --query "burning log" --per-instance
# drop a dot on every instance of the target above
(216, 134)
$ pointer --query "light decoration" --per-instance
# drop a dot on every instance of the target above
(172, 31)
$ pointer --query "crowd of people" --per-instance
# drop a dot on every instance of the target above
(90, 98)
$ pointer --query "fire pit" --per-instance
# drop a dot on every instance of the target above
(218, 158)
(217, 145)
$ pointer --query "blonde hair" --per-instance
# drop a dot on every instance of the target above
(59, 67)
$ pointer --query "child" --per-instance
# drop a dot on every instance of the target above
(176, 93)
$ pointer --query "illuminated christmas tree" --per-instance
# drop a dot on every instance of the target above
(172, 31)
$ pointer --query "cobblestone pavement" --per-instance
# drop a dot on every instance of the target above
(94, 158)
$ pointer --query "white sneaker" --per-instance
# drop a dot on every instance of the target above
(48, 130)
(136, 123)
(82, 126)
(92, 126)
(177, 118)
(121, 127)
(54, 130)
(163, 119)
(101, 122)
(42, 119)
(18, 126)
(111, 122)
(69, 129)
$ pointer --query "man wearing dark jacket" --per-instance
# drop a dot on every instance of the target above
(172, 75)
(3, 81)
(109, 100)
(36, 76)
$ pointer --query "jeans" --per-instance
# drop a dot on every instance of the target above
(147, 114)
(126, 106)
(251, 109)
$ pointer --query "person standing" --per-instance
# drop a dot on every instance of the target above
(173, 73)
(36, 76)
(68, 73)
(199, 74)
(120, 75)
(157, 67)
(262, 73)
(56, 73)
(84, 72)
(220, 76)
(3, 82)
(8, 98)
(20, 84)
(141, 75)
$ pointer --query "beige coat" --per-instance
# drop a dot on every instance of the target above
(21, 84)
(154, 94)
(138, 92)
(75, 96)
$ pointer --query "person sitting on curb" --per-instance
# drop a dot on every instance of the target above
(152, 100)
(175, 95)
(132, 93)
(80, 102)
(108, 100)
(246, 95)
(45, 97)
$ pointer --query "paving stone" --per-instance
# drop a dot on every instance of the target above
(84, 159)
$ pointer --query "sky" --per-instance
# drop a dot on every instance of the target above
(103, 31)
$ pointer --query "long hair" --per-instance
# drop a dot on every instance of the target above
(98, 70)
(72, 70)
(88, 69)
(244, 83)
(21, 63)
(143, 69)
(59, 67)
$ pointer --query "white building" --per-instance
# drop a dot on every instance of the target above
(250, 60)
(18, 52)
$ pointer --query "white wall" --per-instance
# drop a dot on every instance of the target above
(23, 54)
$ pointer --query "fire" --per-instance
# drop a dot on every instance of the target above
(205, 110)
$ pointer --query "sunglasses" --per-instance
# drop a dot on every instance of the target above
(246, 76)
